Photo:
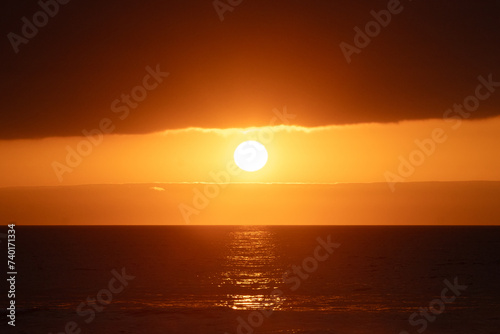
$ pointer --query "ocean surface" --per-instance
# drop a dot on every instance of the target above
(257, 279)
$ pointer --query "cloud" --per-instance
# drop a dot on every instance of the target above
(157, 188)
(49, 94)
(326, 128)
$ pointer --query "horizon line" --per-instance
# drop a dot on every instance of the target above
(243, 183)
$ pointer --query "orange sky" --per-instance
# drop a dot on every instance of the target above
(180, 176)
(167, 90)
(422, 203)
(357, 153)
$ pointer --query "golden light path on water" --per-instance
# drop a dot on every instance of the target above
(251, 270)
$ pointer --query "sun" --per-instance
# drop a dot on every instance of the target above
(250, 156)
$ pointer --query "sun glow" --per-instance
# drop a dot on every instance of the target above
(250, 156)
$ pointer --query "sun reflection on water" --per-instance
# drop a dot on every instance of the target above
(251, 270)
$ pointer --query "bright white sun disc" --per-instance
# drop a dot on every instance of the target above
(250, 156)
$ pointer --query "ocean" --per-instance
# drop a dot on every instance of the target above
(257, 279)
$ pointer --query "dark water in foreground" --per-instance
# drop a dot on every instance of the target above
(193, 279)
